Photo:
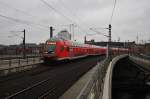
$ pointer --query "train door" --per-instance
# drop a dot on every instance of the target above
(66, 49)
(62, 50)
(59, 49)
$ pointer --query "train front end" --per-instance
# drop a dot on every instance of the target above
(50, 51)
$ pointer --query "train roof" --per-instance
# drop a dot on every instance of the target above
(75, 43)
(55, 39)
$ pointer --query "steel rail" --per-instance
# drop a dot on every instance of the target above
(47, 93)
(28, 88)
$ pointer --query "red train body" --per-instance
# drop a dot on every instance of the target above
(57, 49)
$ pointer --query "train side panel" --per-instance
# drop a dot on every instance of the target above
(62, 50)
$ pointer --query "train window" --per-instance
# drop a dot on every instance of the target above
(67, 49)
(51, 48)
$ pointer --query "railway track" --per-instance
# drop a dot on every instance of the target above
(45, 81)
(130, 80)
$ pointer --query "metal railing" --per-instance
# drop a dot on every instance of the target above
(15, 65)
(8, 57)
(94, 87)
(141, 61)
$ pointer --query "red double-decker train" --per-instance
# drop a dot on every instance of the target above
(58, 49)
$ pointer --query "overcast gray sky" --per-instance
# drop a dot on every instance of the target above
(131, 18)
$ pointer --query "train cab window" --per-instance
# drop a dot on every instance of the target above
(51, 48)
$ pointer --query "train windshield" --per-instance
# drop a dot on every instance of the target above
(51, 47)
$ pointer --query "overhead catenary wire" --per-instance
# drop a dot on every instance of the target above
(112, 12)
(61, 14)
(71, 12)
(22, 12)
(26, 13)
(58, 12)
(110, 22)
(13, 19)
(17, 10)
(21, 21)
(99, 32)
(74, 14)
